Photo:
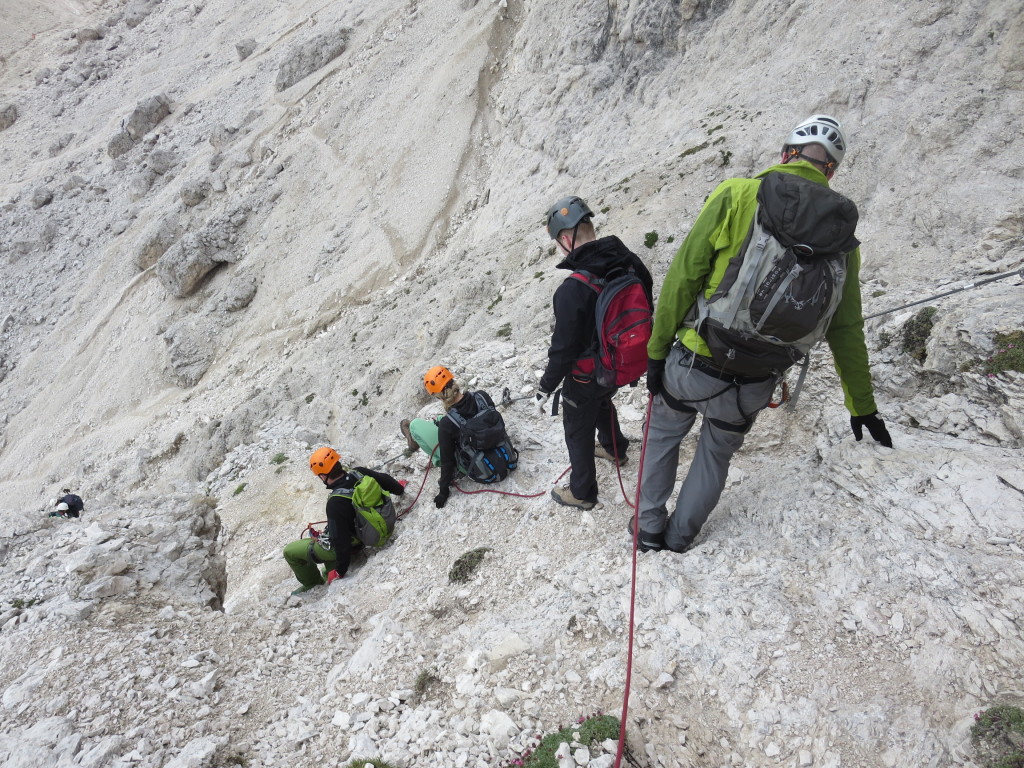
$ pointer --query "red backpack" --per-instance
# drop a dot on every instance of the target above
(624, 319)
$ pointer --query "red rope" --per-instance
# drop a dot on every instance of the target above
(430, 463)
(632, 588)
(618, 469)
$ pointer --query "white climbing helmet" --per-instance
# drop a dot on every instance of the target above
(820, 129)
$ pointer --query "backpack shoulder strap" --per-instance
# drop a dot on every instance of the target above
(456, 418)
(592, 281)
(346, 493)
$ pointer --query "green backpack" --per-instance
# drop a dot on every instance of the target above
(375, 511)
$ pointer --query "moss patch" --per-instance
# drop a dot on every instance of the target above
(916, 333)
(464, 568)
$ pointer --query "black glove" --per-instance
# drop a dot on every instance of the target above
(875, 425)
(442, 498)
(655, 374)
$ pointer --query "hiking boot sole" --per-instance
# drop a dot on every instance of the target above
(572, 501)
(407, 434)
(647, 542)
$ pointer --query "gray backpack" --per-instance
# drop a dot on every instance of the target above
(778, 294)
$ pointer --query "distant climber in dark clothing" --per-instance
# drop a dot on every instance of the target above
(68, 505)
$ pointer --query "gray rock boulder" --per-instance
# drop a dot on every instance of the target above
(191, 351)
(194, 192)
(306, 58)
(41, 196)
(183, 266)
(137, 12)
(8, 115)
(147, 114)
(155, 242)
(160, 161)
(239, 293)
(245, 48)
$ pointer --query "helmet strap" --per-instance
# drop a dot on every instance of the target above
(828, 167)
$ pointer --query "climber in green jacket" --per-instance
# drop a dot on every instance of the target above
(685, 380)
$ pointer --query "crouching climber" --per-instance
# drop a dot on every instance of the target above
(67, 506)
(359, 512)
(470, 437)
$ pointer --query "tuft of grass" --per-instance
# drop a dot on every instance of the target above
(463, 568)
(362, 762)
(998, 737)
(591, 730)
(538, 275)
(239, 489)
(20, 603)
(279, 458)
(650, 239)
(726, 157)
(916, 333)
(494, 303)
(310, 396)
(505, 331)
(425, 680)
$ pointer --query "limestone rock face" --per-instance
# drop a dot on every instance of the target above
(234, 232)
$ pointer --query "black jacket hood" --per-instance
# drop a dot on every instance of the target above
(598, 257)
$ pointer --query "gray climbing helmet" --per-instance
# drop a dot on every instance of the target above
(566, 214)
(823, 130)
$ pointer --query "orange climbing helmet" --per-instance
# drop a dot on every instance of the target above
(436, 379)
(323, 460)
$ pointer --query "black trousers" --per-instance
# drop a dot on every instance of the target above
(587, 408)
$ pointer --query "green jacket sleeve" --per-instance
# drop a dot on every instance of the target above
(846, 338)
(689, 271)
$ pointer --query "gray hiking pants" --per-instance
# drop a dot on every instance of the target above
(729, 408)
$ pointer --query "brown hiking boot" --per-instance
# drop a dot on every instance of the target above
(564, 497)
(601, 453)
(413, 445)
